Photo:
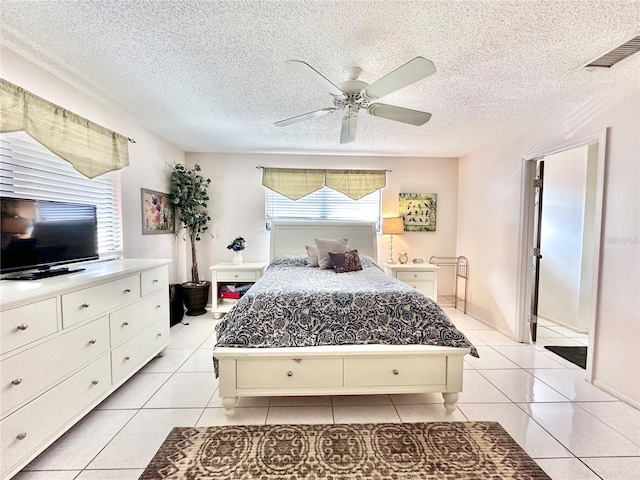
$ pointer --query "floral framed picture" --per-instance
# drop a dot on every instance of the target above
(157, 213)
(418, 211)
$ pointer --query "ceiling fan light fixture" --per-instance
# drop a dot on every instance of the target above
(353, 95)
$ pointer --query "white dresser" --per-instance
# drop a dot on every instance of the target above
(67, 342)
(421, 276)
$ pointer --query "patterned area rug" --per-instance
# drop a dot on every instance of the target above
(408, 451)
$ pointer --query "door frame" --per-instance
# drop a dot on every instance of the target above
(525, 276)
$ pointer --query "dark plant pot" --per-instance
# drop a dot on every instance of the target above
(196, 297)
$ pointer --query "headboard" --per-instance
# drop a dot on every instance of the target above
(290, 237)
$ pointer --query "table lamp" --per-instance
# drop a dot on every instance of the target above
(392, 226)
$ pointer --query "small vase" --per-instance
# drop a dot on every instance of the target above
(237, 257)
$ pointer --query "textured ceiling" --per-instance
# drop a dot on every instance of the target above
(209, 76)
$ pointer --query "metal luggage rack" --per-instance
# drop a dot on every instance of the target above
(460, 288)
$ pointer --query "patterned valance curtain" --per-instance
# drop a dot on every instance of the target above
(295, 183)
(90, 148)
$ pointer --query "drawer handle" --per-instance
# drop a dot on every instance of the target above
(85, 305)
(21, 436)
(128, 290)
(158, 306)
(95, 382)
(289, 373)
(92, 341)
(155, 281)
(235, 276)
(395, 371)
(24, 326)
(124, 324)
(127, 358)
(415, 275)
(159, 335)
(17, 381)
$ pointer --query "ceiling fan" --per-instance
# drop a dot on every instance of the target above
(354, 95)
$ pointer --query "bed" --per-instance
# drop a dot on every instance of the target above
(305, 331)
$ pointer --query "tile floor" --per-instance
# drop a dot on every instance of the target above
(571, 428)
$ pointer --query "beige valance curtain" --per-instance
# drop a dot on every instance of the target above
(295, 183)
(90, 148)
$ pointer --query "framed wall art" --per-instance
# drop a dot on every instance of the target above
(157, 213)
(418, 211)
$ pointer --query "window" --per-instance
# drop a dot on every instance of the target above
(29, 170)
(323, 204)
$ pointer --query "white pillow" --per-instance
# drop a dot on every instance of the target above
(326, 246)
(312, 256)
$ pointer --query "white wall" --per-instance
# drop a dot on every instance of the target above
(489, 218)
(563, 211)
(238, 199)
(148, 158)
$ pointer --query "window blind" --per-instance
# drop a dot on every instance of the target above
(29, 170)
(323, 204)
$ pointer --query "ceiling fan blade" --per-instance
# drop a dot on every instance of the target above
(316, 77)
(411, 72)
(305, 116)
(349, 125)
(399, 114)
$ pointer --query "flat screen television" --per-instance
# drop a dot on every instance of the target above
(40, 234)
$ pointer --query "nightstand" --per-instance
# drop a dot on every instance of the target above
(231, 274)
(422, 276)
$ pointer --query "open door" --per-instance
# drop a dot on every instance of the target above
(535, 249)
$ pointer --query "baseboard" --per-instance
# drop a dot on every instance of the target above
(489, 324)
(618, 395)
(560, 323)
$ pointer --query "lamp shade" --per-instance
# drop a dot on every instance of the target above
(392, 226)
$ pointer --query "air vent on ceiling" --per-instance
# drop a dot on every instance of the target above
(609, 59)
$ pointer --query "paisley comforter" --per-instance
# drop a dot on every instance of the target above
(294, 305)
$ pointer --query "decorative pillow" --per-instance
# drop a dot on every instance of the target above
(346, 262)
(325, 246)
(312, 256)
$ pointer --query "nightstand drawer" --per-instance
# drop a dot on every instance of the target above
(416, 276)
(236, 276)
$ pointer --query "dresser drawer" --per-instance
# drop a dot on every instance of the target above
(30, 372)
(281, 373)
(28, 428)
(391, 371)
(26, 324)
(129, 320)
(90, 302)
(153, 280)
(416, 276)
(137, 350)
(236, 276)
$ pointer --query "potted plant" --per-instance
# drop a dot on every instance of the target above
(238, 245)
(189, 198)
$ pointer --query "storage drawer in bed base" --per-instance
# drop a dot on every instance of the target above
(340, 372)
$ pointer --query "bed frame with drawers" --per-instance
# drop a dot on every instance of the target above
(336, 370)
